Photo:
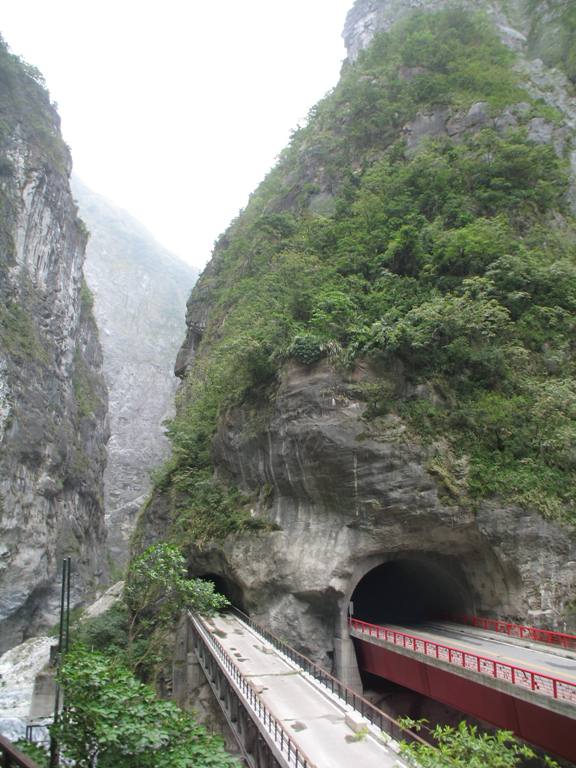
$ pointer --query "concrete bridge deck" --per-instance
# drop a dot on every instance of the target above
(315, 719)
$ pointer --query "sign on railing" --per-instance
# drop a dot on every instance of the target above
(562, 690)
(559, 639)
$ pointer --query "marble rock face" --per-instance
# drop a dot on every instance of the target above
(18, 670)
(53, 400)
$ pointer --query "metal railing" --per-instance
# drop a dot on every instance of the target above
(10, 757)
(358, 703)
(556, 688)
(521, 631)
(293, 754)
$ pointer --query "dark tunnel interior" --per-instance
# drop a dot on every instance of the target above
(227, 588)
(409, 591)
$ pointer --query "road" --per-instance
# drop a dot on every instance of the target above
(312, 716)
(535, 657)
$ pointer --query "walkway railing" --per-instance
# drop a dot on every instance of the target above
(10, 757)
(358, 703)
(293, 754)
(558, 689)
(558, 639)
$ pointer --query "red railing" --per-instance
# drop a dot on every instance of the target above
(559, 639)
(562, 690)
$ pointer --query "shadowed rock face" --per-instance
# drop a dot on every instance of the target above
(53, 401)
(140, 293)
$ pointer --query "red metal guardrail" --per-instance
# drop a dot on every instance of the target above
(558, 639)
(10, 757)
(562, 690)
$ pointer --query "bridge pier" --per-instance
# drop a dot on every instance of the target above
(346, 663)
(345, 660)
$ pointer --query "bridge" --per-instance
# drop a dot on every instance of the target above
(514, 677)
(284, 711)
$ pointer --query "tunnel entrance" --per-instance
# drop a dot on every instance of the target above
(411, 591)
(227, 588)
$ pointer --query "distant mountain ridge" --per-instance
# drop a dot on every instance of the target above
(140, 291)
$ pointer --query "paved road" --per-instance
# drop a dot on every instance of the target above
(534, 657)
(313, 718)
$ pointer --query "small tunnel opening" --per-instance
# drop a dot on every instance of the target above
(407, 591)
(227, 588)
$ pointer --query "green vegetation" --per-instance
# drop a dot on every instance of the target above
(113, 718)
(136, 628)
(86, 295)
(107, 633)
(110, 715)
(23, 97)
(157, 590)
(36, 752)
(87, 399)
(454, 264)
(18, 336)
(467, 747)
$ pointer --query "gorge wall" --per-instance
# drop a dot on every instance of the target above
(140, 292)
(379, 367)
(53, 400)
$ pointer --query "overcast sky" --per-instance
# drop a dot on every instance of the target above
(175, 110)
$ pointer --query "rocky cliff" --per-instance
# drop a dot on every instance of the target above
(140, 293)
(379, 398)
(53, 400)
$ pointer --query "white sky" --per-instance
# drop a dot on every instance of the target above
(175, 110)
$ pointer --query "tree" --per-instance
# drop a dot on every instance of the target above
(466, 747)
(112, 720)
(157, 589)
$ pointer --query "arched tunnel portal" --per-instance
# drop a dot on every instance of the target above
(403, 589)
(410, 591)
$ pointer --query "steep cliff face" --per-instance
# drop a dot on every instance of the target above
(53, 401)
(140, 293)
(540, 28)
(374, 381)
(369, 17)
